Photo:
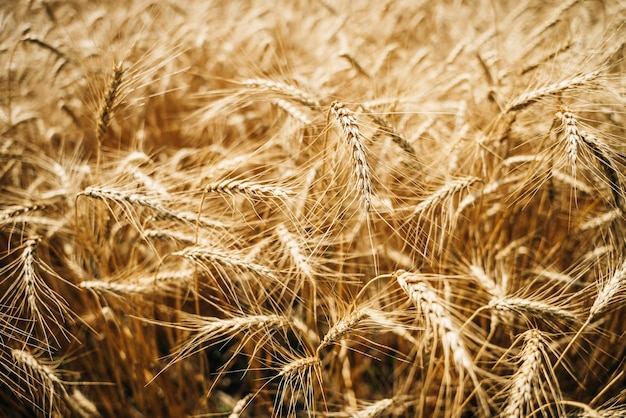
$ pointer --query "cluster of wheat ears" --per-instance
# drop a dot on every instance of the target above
(310, 208)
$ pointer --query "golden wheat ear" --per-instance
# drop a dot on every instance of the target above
(355, 140)
(37, 381)
(31, 303)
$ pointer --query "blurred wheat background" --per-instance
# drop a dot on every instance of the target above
(310, 208)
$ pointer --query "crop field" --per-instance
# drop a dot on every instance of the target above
(312, 209)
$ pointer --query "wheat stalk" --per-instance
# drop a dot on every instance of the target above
(534, 96)
(247, 188)
(375, 410)
(444, 193)
(240, 406)
(344, 326)
(535, 308)
(389, 130)
(200, 254)
(293, 111)
(288, 90)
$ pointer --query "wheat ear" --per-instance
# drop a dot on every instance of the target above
(376, 410)
(533, 96)
(108, 104)
(7, 215)
(288, 90)
(390, 130)
(247, 188)
(535, 308)
(341, 328)
(296, 378)
(438, 318)
(45, 389)
(354, 137)
(528, 381)
(573, 138)
(239, 406)
(606, 296)
(222, 257)
(30, 295)
(207, 329)
(164, 282)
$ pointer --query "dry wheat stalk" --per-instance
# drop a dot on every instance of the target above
(81, 406)
(295, 389)
(444, 193)
(240, 406)
(10, 213)
(535, 308)
(108, 104)
(575, 183)
(552, 20)
(247, 188)
(207, 329)
(293, 111)
(299, 365)
(389, 130)
(361, 167)
(288, 90)
(345, 325)
(297, 254)
(436, 314)
(602, 219)
(130, 164)
(161, 283)
(604, 155)
(161, 212)
(609, 292)
(28, 296)
(487, 283)
(533, 96)
(222, 257)
(128, 198)
(375, 410)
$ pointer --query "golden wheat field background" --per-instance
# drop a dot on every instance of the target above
(310, 208)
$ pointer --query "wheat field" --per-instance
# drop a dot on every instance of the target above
(312, 208)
